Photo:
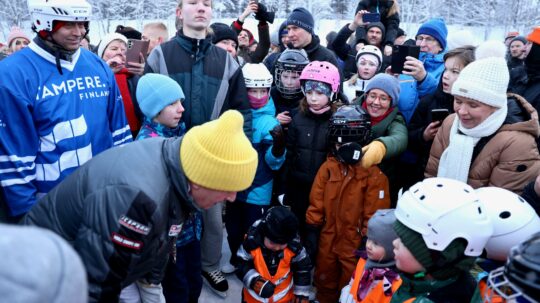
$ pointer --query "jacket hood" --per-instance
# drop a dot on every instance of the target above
(521, 116)
(431, 61)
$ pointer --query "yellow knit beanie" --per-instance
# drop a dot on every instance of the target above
(218, 155)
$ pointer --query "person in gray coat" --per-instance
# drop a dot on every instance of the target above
(123, 210)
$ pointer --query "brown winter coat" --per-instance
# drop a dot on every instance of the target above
(509, 160)
(342, 200)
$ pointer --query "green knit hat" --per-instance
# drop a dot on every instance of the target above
(415, 243)
(441, 265)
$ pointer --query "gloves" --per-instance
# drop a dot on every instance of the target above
(278, 137)
(373, 154)
(264, 15)
(311, 241)
(263, 288)
(301, 299)
(346, 296)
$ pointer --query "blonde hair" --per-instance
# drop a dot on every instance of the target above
(394, 9)
(178, 22)
(160, 27)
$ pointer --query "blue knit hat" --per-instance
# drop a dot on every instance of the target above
(388, 84)
(155, 91)
(436, 28)
(302, 18)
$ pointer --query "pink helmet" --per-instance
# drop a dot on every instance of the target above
(322, 71)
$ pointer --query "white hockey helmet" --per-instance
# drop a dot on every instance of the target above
(442, 210)
(44, 12)
(256, 76)
(514, 220)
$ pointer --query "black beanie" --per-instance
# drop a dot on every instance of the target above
(280, 225)
(377, 24)
(129, 32)
(223, 32)
(302, 18)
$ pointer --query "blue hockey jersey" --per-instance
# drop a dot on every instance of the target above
(50, 124)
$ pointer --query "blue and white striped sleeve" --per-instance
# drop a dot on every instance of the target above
(19, 143)
(118, 124)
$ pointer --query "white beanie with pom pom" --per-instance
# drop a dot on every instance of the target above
(486, 79)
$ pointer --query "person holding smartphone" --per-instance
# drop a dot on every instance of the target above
(112, 49)
(429, 115)
(491, 138)
(388, 11)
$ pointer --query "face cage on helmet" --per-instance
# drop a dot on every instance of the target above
(499, 287)
(359, 134)
(288, 92)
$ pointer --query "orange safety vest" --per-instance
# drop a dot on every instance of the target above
(485, 291)
(376, 294)
(282, 279)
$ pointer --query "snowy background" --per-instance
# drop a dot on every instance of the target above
(488, 19)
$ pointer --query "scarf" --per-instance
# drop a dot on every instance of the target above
(456, 159)
(377, 120)
(374, 275)
(121, 79)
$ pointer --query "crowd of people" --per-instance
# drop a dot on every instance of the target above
(338, 175)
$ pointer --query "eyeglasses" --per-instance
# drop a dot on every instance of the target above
(19, 42)
(382, 98)
(427, 39)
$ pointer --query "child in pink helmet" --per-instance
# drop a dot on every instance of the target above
(307, 146)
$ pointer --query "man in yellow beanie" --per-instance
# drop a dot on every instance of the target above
(123, 210)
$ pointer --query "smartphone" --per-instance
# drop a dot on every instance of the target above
(439, 114)
(371, 17)
(399, 54)
(134, 48)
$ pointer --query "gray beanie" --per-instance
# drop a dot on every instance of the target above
(388, 84)
(380, 230)
(39, 266)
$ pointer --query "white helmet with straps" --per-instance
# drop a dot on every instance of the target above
(256, 76)
(44, 12)
(514, 220)
(443, 210)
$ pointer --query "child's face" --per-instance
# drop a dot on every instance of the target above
(290, 79)
(171, 114)
(374, 251)
(367, 66)
(273, 246)
(405, 261)
(258, 97)
(316, 100)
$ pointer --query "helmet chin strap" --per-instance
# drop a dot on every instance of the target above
(57, 50)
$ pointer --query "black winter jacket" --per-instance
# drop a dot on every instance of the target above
(421, 119)
(211, 79)
(121, 211)
(262, 47)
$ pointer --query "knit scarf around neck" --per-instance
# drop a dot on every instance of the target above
(456, 159)
(129, 108)
(377, 120)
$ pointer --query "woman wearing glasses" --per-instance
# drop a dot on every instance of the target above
(17, 40)
(388, 129)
